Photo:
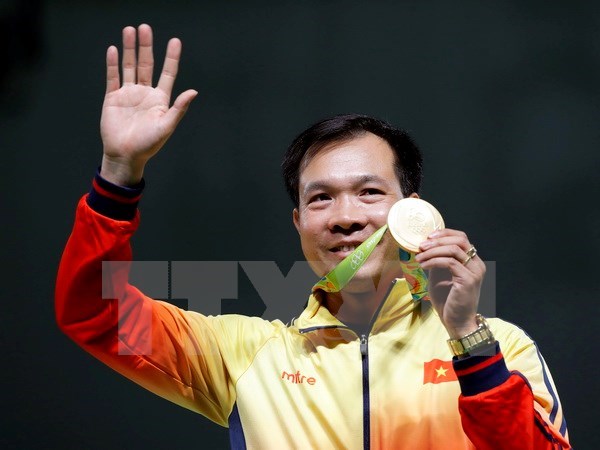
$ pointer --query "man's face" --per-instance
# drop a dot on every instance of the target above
(346, 191)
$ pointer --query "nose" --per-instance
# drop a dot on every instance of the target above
(347, 216)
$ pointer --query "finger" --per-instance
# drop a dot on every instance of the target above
(145, 64)
(450, 237)
(112, 69)
(170, 66)
(450, 251)
(460, 240)
(180, 107)
(129, 55)
(456, 268)
(446, 232)
(455, 252)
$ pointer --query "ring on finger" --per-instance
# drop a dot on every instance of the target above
(470, 255)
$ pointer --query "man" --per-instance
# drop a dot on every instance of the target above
(366, 366)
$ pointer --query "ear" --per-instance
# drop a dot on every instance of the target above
(296, 219)
(413, 195)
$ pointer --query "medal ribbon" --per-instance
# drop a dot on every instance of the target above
(341, 274)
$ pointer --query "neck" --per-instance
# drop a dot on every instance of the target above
(360, 305)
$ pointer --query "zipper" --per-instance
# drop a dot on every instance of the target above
(364, 351)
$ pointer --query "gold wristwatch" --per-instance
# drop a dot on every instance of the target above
(481, 337)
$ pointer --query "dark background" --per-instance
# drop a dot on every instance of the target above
(502, 97)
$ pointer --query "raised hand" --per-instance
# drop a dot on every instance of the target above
(137, 118)
(454, 279)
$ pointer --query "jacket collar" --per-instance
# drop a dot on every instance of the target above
(398, 303)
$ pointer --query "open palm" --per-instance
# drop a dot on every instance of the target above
(137, 118)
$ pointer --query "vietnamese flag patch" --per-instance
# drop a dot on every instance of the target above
(438, 371)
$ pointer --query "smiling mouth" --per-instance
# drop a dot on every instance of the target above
(343, 249)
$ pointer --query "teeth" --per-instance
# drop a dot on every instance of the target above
(347, 248)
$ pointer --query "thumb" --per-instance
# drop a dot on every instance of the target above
(180, 107)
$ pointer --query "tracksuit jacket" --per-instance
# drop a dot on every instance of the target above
(312, 383)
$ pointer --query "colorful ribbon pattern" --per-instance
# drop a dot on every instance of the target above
(339, 277)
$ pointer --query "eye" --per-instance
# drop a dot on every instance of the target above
(321, 197)
(372, 191)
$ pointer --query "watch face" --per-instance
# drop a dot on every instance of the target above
(411, 220)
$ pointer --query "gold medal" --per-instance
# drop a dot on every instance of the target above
(411, 220)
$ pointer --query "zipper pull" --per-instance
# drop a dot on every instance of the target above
(363, 345)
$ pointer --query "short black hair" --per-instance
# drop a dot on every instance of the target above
(340, 128)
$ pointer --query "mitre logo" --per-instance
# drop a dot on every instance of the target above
(297, 378)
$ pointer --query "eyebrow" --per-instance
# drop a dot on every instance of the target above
(358, 181)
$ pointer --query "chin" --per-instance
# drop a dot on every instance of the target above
(361, 284)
